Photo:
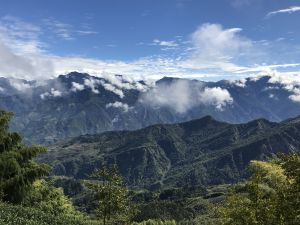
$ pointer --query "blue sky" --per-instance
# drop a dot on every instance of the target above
(210, 40)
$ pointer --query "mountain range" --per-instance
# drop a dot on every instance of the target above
(199, 152)
(75, 104)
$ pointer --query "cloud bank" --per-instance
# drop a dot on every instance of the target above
(182, 96)
(211, 52)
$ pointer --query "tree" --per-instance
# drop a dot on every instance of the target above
(111, 194)
(270, 196)
(49, 199)
(17, 169)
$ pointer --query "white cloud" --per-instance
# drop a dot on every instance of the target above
(215, 96)
(212, 52)
(289, 10)
(113, 89)
(124, 82)
(240, 83)
(19, 85)
(165, 43)
(53, 93)
(91, 83)
(295, 98)
(181, 96)
(66, 31)
(176, 96)
(216, 47)
(289, 81)
(22, 37)
(120, 105)
(77, 87)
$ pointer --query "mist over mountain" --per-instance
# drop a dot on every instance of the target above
(75, 104)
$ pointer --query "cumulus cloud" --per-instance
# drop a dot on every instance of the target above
(216, 47)
(124, 82)
(295, 97)
(24, 66)
(215, 96)
(77, 87)
(20, 85)
(289, 81)
(88, 83)
(113, 89)
(240, 83)
(181, 96)
(211, 51)
(119, 105)
(92, 83)
(112, 83)
(21, 51)
(289, 10)
(53, 93)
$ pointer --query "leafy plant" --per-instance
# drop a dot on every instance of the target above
(270, 196)
(111, 194)
(17, 169)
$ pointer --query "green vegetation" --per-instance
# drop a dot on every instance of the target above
(156, 222)
(20, 215)
(202, 152)
(112, 196)
(270, 196)
(25, 199)
(17, 170)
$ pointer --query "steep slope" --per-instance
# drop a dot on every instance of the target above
(77, 104)
(198, 152)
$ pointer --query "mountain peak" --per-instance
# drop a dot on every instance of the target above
(202, 123)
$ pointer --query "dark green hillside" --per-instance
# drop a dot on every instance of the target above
(199, 152)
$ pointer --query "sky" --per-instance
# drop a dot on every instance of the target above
(208, 40)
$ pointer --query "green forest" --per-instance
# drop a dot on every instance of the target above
(30, 195)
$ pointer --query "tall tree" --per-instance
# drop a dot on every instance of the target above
(270, 196)
(111, 194)
(17, 169)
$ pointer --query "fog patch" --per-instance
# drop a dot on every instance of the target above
(182, 96)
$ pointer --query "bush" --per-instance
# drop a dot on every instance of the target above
(19, 215)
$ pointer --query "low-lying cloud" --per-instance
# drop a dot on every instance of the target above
(119, 105)
(182, 96)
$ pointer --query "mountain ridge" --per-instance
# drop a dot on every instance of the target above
(198, 152)
(76, 104)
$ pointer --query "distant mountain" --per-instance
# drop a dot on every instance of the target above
(198, 152)
(76, 104)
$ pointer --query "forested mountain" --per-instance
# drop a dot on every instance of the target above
(198, 152)
(75, 104)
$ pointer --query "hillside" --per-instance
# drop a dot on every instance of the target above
(76, 104)
(198, 152)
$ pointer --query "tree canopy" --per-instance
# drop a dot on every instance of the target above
(270, 196)
(18, 171)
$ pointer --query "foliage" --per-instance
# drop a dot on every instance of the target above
(270, 196)
(112, 195)
(20, 215)
(17, 170)
(156, 222)
(49, 199)
(209, 152)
